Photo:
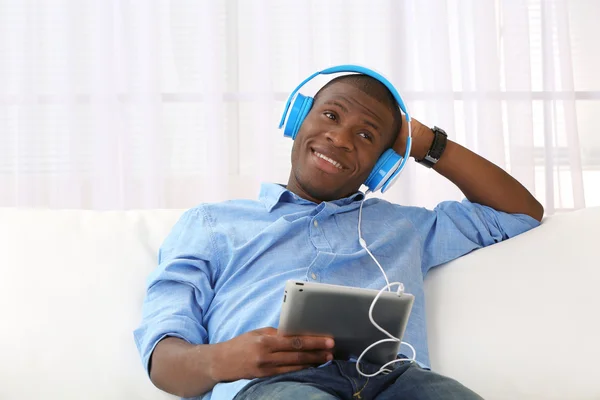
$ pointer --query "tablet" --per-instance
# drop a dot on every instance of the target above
(342, 312)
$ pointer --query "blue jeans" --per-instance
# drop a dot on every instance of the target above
(340, 380)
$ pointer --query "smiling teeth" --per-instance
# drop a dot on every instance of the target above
(335, 163)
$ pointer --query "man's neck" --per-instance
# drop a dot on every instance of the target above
(293, 187)
(299, 191)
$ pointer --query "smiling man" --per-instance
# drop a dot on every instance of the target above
(214, 300)
(354, 119)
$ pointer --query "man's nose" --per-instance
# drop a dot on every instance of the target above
(341, 137)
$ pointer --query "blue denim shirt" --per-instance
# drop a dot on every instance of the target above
(223, 266)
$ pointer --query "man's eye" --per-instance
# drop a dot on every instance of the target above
(329, 115)
(366, 136)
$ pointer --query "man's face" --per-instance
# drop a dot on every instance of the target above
(339, 143)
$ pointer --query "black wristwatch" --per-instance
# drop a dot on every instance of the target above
(437, 148)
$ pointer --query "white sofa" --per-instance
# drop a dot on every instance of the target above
(517, 320)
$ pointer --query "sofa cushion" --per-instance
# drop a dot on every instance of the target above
(519, 319)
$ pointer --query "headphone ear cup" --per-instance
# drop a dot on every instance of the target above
(300, 108)
(386, 165)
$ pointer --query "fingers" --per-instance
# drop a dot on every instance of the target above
(299, 358)
(303, 343)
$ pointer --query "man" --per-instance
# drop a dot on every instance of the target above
(215, 297)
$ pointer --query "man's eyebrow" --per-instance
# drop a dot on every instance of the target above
(338, 104)
(367, 122)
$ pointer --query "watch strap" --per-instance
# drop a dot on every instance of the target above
(437, 148)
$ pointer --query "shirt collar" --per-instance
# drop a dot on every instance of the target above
(272, 194)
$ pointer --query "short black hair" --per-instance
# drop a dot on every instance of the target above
(377, 90)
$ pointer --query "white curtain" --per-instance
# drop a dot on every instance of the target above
(119, 104)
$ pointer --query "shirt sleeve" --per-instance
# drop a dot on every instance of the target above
(180, 289)
(453, 229)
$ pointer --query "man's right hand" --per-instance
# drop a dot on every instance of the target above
(263, 352)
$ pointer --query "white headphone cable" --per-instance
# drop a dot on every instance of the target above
(388, 285)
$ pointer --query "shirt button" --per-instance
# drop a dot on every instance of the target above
(315, 223)
(313, 275)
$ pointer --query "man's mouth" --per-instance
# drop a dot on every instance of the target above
(329, 160)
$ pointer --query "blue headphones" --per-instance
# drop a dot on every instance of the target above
(389, 165)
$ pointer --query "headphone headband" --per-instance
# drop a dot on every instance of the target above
(390, 164)
(348, 68)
